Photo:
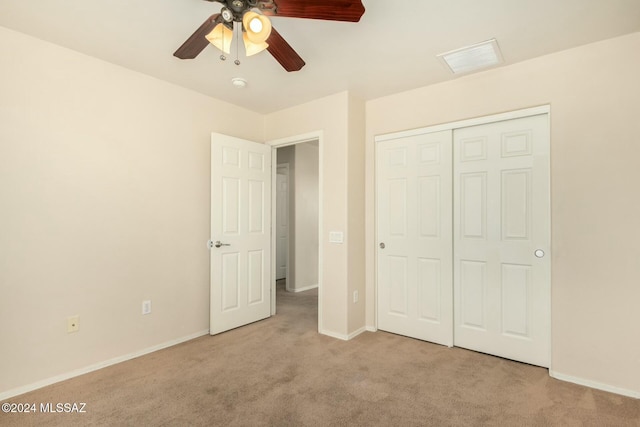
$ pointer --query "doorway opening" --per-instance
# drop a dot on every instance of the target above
(297, 219)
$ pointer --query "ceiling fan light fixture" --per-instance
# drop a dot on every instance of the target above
(221, 37)
(256, 26)
(252, 48)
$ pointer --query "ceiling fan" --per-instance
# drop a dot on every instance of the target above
(257, 32)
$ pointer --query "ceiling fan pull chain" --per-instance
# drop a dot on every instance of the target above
(237, 61)
(222, 57)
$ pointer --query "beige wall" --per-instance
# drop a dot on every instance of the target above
(329, 116)
(104, 202)
(594, 93)
(356, 213)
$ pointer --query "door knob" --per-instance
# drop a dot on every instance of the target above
(382, 246)
(218, 244)
(539, 253)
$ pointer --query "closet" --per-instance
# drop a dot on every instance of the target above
(463, 235)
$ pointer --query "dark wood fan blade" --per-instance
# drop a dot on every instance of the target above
(283, 52)
(331, 10)
(197, 42)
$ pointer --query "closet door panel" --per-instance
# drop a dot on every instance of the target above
(502, 291)
(414, 255)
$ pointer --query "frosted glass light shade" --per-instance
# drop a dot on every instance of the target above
(221, 37)
(257, 27)
(252, 48)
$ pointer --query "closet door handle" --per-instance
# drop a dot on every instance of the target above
(382, 245)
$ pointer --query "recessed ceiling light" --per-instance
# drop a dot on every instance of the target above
(239, 82)
(472, 58)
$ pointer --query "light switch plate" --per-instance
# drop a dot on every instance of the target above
(146, 307)
(336, 237)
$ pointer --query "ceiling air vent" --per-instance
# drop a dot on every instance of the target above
(472, 58)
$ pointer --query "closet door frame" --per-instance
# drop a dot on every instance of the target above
(452, 126)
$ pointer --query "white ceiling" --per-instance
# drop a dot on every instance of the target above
(392, 49)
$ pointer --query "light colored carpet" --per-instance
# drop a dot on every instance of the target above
(281, 372)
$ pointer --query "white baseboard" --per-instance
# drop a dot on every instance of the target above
(68, 375)
(343, 337)
(354, 334)
(595, 384)
(334, 334)
(306, 288)
(372, 329)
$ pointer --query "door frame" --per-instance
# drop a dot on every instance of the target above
(281, 143)
(482, 120)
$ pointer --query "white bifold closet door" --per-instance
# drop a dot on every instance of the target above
(463, 227)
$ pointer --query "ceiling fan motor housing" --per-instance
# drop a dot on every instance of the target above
(234, 10)
(238, 6)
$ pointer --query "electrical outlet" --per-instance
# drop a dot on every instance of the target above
(355, 296)
(146, 307)
(73, 323)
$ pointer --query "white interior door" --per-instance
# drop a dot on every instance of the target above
(282, 221)
(502, 239)
(414, 237)
(241, 223)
